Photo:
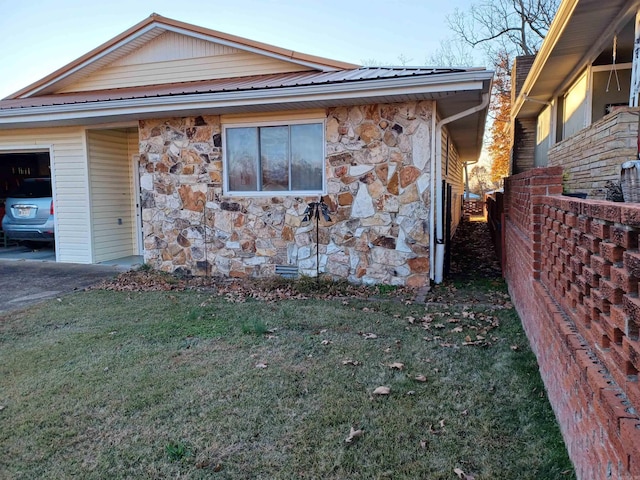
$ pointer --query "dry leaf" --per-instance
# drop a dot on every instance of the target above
(2, 407)
(441, 423)
(325, 342)
(514, 348)
(423, 444)
(411, 392)
(464, 413)
(382, 391)
(420, 378)
(462, 475)
(261, 365)
(369, 336)
(467, 339)
(396, 366)
(353, 434)
(457, 330)
(355, 363)
(411, 320)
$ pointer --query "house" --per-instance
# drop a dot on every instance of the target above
(201, 151)
(575, 103)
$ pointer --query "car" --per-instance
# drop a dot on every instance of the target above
(28, 216)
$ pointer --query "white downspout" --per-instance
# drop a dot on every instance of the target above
(439, 254)
(635, 66)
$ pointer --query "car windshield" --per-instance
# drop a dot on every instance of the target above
(33, 188)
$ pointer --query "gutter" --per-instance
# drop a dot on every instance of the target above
(378, 88)
(438, 268)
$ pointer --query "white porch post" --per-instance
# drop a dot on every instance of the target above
(635, 69)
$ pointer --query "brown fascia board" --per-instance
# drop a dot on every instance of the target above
(154, 17)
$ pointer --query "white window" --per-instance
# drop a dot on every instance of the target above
(284, 158)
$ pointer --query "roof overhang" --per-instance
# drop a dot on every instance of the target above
(454, 92)
(580, 31)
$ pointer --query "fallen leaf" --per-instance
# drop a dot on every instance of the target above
(411, 392)
(2, 407)
(457, 329)
(369, 336)
(355, 363)
(353, 434)
(464, 413)
(411, 320)
(325, 342)
(460, 473)
(441, 423)
(420, 378)
(423, 444)
(261, 365)
(382, 391)
(396, 366)
(515, 348)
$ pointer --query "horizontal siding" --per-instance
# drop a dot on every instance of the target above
(183, 70)
(110, 181)
(69, 171)
(173, 46)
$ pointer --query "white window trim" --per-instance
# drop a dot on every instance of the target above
(278, 193)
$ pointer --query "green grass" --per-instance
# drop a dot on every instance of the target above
(187, 385)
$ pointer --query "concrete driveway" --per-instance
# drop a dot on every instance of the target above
(25, 283)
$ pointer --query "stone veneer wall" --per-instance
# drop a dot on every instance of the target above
(377, 180)
(594, 155)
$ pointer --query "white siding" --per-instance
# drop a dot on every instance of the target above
(112, 207)
(173, 46)
(574, 117)
(176, 58)
(68, 167)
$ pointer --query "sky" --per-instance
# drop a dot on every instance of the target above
(38, 37)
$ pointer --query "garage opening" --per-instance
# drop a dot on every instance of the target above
(26, 199)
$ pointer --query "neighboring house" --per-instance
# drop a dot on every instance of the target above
(225, 141)
(574, 105)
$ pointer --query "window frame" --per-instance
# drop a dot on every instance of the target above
(273, 123)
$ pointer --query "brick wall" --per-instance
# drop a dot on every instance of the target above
(594, 155)
(573, 267)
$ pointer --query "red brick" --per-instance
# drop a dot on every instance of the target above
(591, 242)
(631, 350)
(617, 317)
(600, 229)
(632, 263)
(611, 213)
(610, 291)
(611, 252)
(624, 236)
(591, 277)
(584, 224)
(630, 215)
(624, 280)
(631, 307)
(583, 255)
(601, 266)
(630, 438)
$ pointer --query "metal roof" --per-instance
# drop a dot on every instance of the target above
(237, 84)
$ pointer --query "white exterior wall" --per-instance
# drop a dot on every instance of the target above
(69, 175)
(113, 215)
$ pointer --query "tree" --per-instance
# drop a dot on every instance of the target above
(480, 180)
(513, 26)
(500, 112)
(504, 29)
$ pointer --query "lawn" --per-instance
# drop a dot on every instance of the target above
(201, 384)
